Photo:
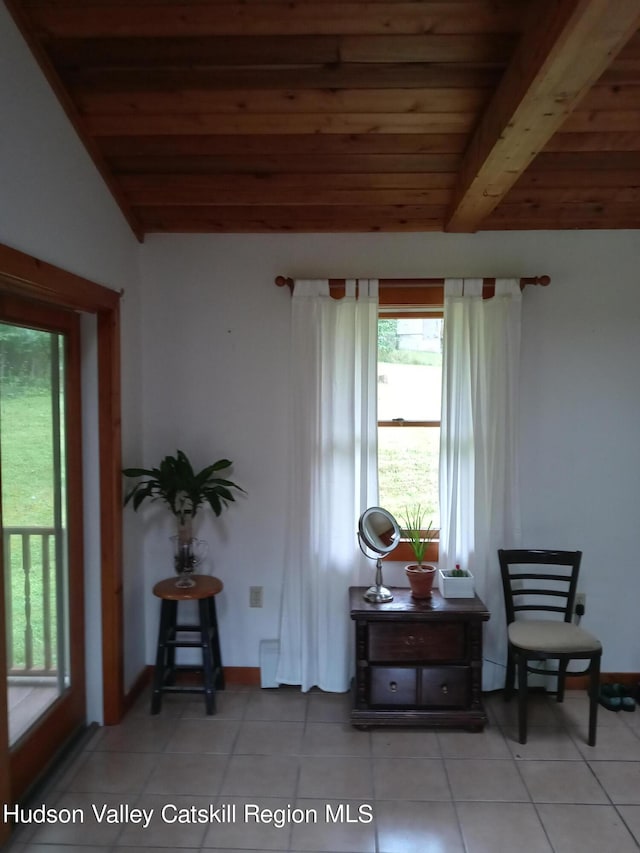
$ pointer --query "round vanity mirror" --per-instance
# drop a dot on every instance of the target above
(379, 532)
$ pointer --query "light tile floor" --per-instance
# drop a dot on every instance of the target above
(384, 790)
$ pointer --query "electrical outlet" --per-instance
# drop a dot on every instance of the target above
(255, 596)
(581, 601)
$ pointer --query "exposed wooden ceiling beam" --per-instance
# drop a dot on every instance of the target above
(556, 61)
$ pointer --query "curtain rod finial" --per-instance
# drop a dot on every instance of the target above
(281, 281)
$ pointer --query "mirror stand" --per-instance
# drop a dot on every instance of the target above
(378, 594)
(379, 532)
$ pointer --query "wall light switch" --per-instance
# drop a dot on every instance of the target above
(255, 596)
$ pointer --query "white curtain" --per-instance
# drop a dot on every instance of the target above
(333, 468)
(479, 503)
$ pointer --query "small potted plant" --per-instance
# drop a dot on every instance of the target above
(456, 583)
(419, 575)
(184, 491)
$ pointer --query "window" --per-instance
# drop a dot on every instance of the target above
(409, 404)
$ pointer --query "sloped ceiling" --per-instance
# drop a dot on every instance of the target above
(323, 115)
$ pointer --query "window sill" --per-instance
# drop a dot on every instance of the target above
(404, 554)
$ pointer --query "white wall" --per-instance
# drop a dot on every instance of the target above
(580, 417)
(54, 205)
(215, 343)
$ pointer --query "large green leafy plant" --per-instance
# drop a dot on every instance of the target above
(177, 484)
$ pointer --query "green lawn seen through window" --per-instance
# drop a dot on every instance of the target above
(409, 389)
(27, 501)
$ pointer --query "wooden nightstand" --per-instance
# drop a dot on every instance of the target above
(418, 662)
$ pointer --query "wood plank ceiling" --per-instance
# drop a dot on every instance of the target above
(345, 115)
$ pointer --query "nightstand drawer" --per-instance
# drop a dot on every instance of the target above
(414, 641)
(393, 685)
(445, 686)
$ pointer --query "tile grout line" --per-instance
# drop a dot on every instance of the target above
(453, 800)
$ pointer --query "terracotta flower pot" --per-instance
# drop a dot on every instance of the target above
(420, 580)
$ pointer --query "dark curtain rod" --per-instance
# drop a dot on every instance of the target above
(542, 280)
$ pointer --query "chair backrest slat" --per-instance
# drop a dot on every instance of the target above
(562, 584)
(518, 576)
(536, 591)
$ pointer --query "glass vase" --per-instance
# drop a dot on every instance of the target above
(188, 553)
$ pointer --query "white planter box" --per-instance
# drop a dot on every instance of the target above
(455, 587)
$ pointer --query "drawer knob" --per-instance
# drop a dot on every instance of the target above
(413, 641)
(444, 689)
(393, 686)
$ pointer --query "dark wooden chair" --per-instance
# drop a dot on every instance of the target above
(545, 582)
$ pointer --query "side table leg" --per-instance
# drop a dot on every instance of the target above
(215, 646)
(207, 667)
(170, 660)
(161, 657)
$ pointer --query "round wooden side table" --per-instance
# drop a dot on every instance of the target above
(204, 592)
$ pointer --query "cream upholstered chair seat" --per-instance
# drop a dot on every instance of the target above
(547, 635)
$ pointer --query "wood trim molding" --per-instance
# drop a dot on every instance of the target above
(581, 682)
(29, 757)
(32, 278)
(5, 779)
(403, 553)
(110, 460)
(248, 676)
(139, 686)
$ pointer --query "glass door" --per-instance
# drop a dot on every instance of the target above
(41, 544)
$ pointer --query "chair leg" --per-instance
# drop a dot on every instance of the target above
(522, 697)
(510, 676)
(594, 687)
(562, 676)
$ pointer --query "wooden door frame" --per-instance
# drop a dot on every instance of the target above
(34, 752)
(26, 276)
(5, 777)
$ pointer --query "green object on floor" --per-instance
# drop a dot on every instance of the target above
(614, 697)
(628, 698)
(609, 697)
